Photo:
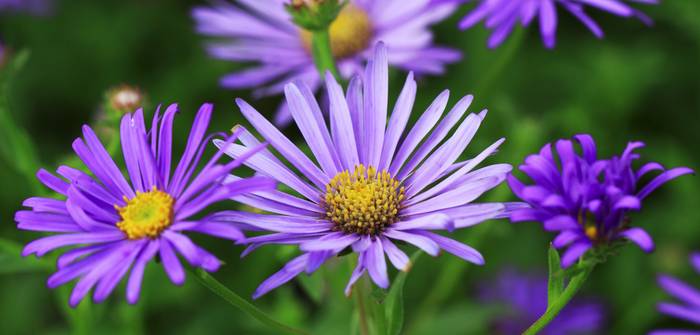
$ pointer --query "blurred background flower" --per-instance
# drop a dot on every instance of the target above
(262, 32)
(523, 297)
(688, 306)
(501, 16)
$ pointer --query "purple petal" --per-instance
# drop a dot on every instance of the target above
(173, 267)
(574, 252)
(397, 257)
(422, 242)
(456, 248)
(662, 179)
(288, 272)
(376, 264)
(639, 237)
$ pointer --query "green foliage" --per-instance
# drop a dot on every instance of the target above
(638, 83)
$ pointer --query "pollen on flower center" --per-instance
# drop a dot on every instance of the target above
(146, 215)
(364, 201)
(350, 33)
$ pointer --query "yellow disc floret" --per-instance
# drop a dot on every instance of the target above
(146, 215)
(350, 33)
(364, 201)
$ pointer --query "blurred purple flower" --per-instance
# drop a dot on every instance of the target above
(501, 16)
(262, 32)
(585, 199)
(688, 296)
(114, 226)
(371, 189)
(32, 6)
(525, 297)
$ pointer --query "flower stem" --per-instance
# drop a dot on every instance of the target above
(559, 303)
(323, 55)
(237, 301)
(361, 304)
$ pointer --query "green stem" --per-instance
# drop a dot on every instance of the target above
(323, 55)
(560, 302)
(361, 304)
(234, 299)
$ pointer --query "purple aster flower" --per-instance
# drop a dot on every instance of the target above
(525, 298)
(586, 199)
(113, 225)
(375, 184)
(262, 32)
(501, 16)
(688, 296)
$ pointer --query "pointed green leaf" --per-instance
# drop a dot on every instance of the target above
(555, 283)
(394, 301)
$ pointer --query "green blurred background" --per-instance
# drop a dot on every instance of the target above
(639, 83)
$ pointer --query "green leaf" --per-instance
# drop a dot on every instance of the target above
(16, 146)
(555, 282)
(243, 305)
(394, 301)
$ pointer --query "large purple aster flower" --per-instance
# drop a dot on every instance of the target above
(501, 16)
(586, 199)
(525, 297)
(114, 225)
(376, 184)
(689, 297)
(262, 32)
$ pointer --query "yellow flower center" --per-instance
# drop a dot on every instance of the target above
(364, 201)
(350, 33)
(592, 232)
(146, 215)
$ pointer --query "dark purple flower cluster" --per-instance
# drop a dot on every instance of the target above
(585, 199)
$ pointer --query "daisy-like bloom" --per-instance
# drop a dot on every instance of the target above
(501, 16)
(525, 298)
(114, 226)
(375, 183)
(586, 199)
(262, 33)
(689, 298)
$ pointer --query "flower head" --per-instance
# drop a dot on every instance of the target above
(525, 297)
(113, 225)
(501, 16)
(375, 184)
(689, 297)
(262, 32)
(586, 199)
(125, 98)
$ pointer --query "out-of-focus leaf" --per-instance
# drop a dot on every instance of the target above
(16, 146)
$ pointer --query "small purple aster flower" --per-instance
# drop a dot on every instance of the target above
(501, 16)
(115, 226)
(525, 297)
(689, 297)
(376, 184)
(262, 32)
(585, 199)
